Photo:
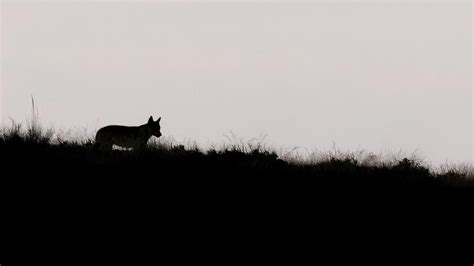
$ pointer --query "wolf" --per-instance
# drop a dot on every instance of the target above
(127, 137)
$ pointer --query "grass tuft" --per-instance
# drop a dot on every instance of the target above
(235, 158)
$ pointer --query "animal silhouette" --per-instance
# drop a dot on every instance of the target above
(127, 137)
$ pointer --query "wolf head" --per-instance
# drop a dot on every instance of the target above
(154, 127)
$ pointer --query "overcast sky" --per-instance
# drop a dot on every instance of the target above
(365, 75)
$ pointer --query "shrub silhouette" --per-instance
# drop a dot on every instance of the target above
(41, 154)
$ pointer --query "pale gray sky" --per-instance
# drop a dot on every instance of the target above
(378, 76)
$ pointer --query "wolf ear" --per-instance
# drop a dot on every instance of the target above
(159, 119)
(150, 120)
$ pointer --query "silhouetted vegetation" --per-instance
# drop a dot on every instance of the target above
(35, 152)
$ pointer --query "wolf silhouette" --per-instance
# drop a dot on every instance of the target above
(127, 137)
